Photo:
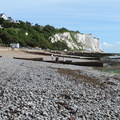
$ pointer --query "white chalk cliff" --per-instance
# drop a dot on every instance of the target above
(78, 41)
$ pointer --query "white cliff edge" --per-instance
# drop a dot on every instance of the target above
(78, 41)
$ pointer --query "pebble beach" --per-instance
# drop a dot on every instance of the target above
(33, 90)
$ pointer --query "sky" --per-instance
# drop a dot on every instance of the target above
(101, 18)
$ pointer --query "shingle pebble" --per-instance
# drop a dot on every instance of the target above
(31, 90)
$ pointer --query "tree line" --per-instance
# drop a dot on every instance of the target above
(28, 35)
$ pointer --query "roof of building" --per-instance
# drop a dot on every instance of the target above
(2, 14)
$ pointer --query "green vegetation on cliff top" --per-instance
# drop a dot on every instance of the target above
(28, 35)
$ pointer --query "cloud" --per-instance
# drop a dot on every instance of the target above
(107, 44)
(118, 42)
